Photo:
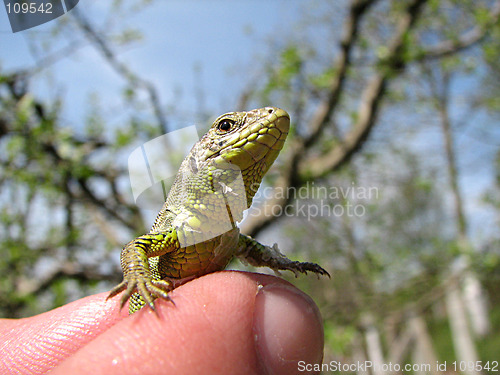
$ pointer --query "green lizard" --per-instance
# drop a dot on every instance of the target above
(195, 232)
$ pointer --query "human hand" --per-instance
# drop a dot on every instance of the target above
(222, 323)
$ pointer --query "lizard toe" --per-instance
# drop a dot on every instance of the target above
(116, 290)
(160, 288)
(128, 292)
(144, 290)
(313, 267)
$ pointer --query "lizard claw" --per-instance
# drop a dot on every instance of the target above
(311, 267)
(116, 290)
(147, 289)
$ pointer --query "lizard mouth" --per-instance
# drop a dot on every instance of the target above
(258, 144)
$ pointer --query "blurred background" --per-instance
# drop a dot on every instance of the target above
(390, 178)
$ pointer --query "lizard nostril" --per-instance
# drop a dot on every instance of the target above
(270, 110)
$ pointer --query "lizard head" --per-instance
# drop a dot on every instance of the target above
(246, 141)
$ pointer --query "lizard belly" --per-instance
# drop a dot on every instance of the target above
(201, 258)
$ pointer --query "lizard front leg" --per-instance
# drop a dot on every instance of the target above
(258, 255)
(137, 275)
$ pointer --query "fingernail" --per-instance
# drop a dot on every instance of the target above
(288, 330)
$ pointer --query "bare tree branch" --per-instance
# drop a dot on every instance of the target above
(371, 98)
(324, 112)
(53, 58)
(127, 214)
(289, 175)
(466, 40)
(303, 167)
(123, 70)
(68, 270)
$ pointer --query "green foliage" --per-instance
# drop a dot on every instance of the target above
(282, 77)
(441, 338)
(128, 36)
(46, 178)
(323, 80)
(59, 290)
(339, 339)
(94, 122)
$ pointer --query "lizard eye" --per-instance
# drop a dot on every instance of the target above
(225, 125)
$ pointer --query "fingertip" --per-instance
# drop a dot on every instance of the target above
(40, 343)
(225, 323)
(288, 329)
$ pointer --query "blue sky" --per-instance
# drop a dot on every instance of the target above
(178, 35)
(227, 39)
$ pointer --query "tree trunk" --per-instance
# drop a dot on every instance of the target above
(373, 345)
(462, 340)
(476, 304)
(423, 351)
